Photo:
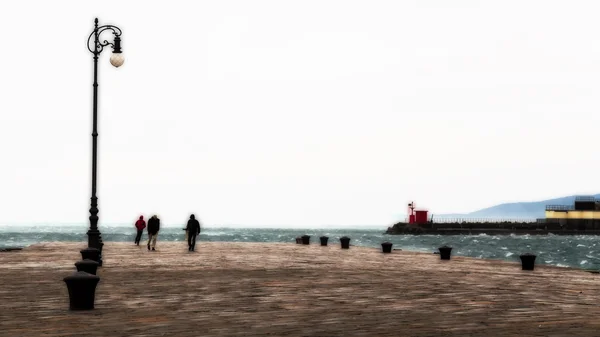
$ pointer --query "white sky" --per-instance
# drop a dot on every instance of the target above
(297, 112)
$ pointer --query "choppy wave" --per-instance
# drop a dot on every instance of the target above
(566, 251)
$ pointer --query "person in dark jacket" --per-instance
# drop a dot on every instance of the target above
(139, 225)
(193, 229)
(153, 228)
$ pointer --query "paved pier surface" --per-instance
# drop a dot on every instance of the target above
(257, 289)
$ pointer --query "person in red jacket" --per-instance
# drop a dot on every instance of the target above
(139, 225)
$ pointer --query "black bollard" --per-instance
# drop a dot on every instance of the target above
(88, 266)
(298, 240)
(345, 242)
(386, 247)
(82, 290)
(90, 254)
(324, 240)
(445, 252)
(528, 261)
(100, 256)
(305, 239)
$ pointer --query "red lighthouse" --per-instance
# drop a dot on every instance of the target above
(418, 216)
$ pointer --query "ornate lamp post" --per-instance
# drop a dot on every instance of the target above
(95, 46)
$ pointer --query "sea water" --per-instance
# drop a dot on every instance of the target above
(581, 251)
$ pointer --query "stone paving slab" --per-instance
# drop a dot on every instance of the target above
(271, 289)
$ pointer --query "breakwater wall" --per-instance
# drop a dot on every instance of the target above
(490, 228)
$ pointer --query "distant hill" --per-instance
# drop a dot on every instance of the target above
(533, 210)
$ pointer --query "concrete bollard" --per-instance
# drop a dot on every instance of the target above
(527, 261)
(298, 240)
(324, 240)
(88, 266)
(90, 254)
(82, 290)
(345, 241)
(305, 239)
(445, 252)
(386, 247)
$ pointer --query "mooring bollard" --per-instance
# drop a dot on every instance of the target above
(305, 239)
(298, 240)
(528, 261)
(90, 254)
(324, 240)
(386, 247)
(88, 266)
(345, 242)
(82, 290)
(100, 249)
(445, 252)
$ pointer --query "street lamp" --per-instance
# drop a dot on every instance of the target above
(95, 46)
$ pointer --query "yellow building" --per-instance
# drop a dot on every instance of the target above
(583, 214)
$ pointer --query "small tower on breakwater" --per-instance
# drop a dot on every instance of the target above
(416, 216)
(411, 212)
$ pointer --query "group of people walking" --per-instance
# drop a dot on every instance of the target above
(192, 230)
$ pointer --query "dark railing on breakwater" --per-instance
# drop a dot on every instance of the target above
(484, 225)
(560, 207)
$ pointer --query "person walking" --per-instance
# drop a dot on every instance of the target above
(139, 225)
(193, 229)
(153, 228)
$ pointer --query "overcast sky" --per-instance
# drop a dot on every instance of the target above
(297, 112)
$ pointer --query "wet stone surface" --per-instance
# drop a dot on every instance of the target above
(256, 289)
